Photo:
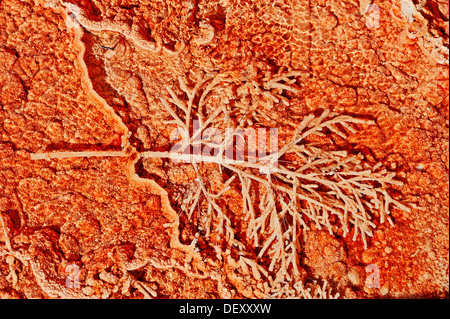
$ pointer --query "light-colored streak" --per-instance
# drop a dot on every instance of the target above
(47, 156)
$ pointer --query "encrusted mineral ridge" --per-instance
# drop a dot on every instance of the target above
(114, 183)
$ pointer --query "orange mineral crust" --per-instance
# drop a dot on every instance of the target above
(224, 149)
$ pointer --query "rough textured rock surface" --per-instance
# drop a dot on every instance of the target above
(94, 76)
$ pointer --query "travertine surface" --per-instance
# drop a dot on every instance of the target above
(108, 75)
